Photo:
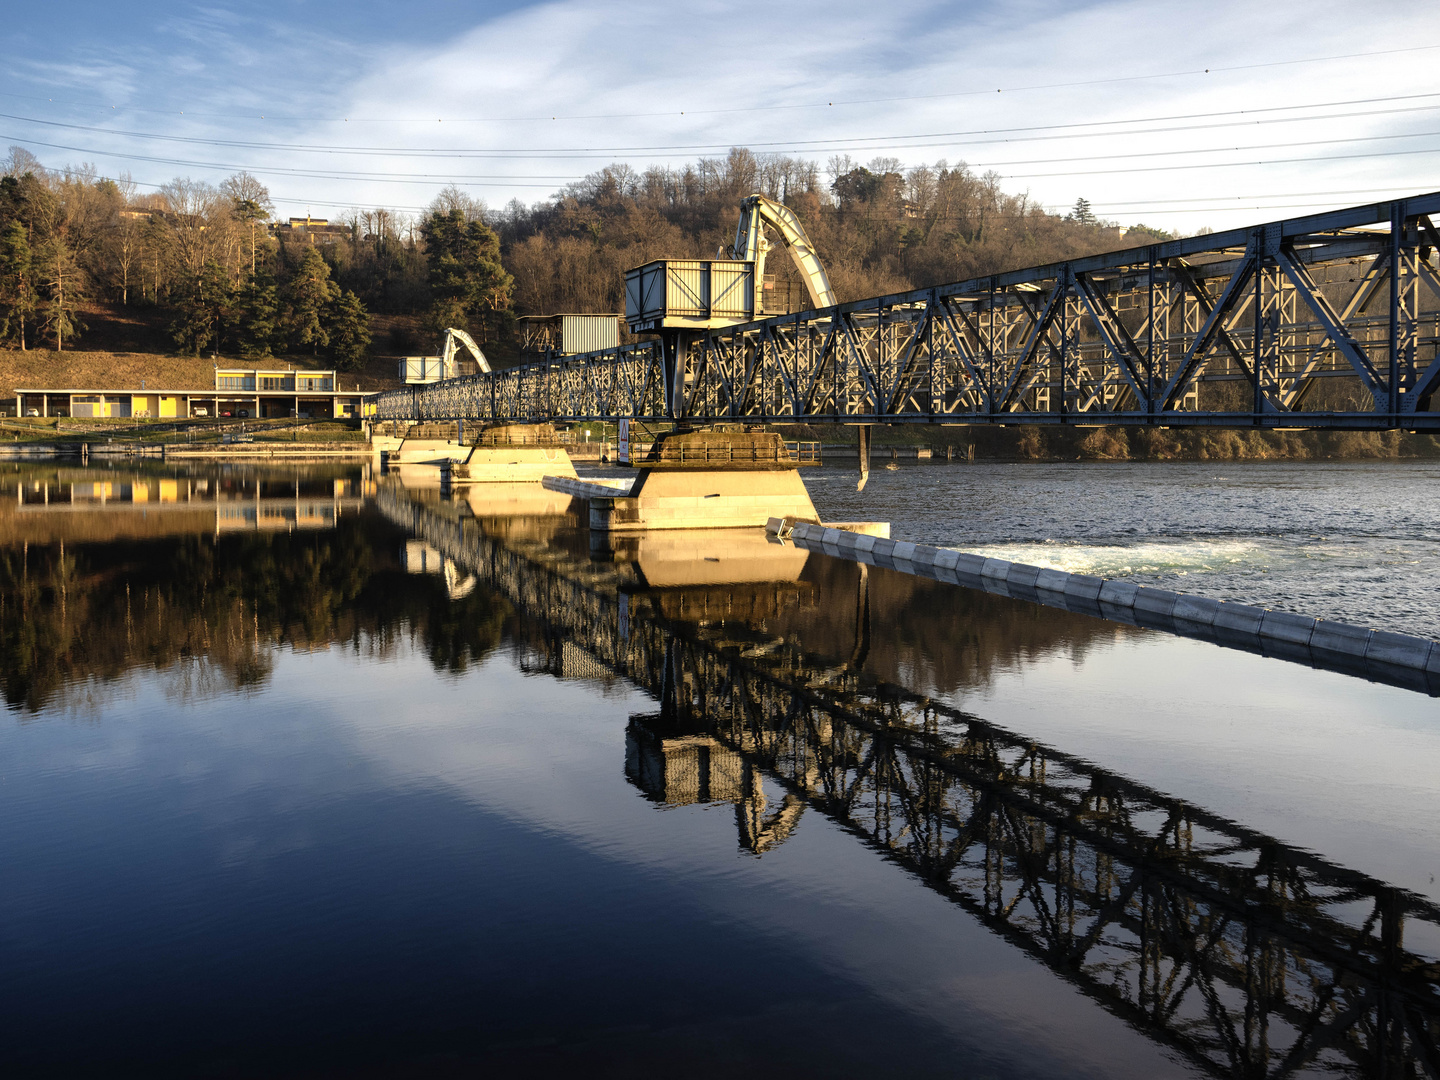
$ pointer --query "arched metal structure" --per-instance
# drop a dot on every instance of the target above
(751, 245)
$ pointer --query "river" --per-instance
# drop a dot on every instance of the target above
(1354, 541)
(316, 771)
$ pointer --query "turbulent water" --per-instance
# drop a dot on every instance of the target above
(1356, 542)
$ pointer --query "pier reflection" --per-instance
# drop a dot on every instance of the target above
(1244, 955)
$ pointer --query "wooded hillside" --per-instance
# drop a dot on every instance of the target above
(203, 270)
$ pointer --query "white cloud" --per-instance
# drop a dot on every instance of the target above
(735, 70)
(674, 83)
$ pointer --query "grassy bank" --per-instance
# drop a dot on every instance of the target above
(45, 369)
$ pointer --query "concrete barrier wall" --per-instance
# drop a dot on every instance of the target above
(1379, 655)
(589, 489)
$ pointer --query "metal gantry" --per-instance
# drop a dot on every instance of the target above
(1249, 957)
(1325, 321)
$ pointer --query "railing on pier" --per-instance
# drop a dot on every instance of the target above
(741, 453)
(1325, 321)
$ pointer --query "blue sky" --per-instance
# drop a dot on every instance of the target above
(1176, 115)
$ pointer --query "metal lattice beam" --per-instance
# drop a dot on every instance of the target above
(1145, 336)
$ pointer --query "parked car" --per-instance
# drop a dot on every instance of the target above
(200, 410)
(32, 412)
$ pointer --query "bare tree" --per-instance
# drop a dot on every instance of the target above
(453, 198)
(197, 209)
(20, 161)
(124, 250)
(250, 203)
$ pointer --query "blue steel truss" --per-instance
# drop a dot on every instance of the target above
(1325, 321)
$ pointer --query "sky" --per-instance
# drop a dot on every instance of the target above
(1180, 116)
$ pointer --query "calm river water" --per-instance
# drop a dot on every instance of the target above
(313, 771)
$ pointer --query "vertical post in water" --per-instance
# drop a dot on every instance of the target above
(864, 450)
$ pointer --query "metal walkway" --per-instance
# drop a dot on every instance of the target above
(1325, 321)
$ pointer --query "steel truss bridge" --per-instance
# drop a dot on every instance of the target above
(1326, 321)
(1246, 957)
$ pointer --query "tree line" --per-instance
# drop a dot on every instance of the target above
(879, 227)
(207, 260)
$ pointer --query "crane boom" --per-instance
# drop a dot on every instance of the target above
(453, 340)
(750, 245)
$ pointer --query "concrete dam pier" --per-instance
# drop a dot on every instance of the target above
(502, 453)
(707, 480)
(689, 479)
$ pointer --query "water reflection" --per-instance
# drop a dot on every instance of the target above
(785, 685)
(92, 588)
(1249, 957)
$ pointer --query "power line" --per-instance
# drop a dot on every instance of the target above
(743, 109)
(1219, 165)
(801, 146)
(470, 180)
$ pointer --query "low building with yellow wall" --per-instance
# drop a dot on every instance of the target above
(247, 393)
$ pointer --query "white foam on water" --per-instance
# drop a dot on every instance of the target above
(1155, 558)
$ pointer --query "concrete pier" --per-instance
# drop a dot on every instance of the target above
(702, 499)
(708, 480)
(503, 454)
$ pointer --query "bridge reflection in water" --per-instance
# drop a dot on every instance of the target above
(1248, 957)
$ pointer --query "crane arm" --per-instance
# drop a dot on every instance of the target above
(750, 245)
(453, 340)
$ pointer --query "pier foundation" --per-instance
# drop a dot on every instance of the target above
(708, 480)
(502, 454)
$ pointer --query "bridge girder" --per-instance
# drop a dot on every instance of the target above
(1147, 336)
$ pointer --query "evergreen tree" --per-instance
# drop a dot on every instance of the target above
(203, 303)
(1082, 214)
(349, 331)
(309, 295)
(62, 284)
(257, 316)
(465, 276)
(17, 282)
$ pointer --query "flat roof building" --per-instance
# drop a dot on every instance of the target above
(251, 393)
